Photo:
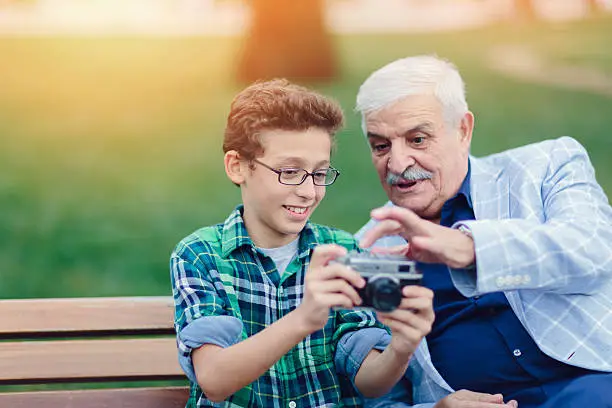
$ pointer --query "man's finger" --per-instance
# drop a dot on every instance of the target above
(382, 229)
(394, 250)
(467, 395)
(427, 249)
(408, 224)
(471, 399)
(407, 218)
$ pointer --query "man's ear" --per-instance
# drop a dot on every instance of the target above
(466, 127)
(234, 167)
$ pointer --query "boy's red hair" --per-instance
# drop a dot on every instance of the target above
(277, 104)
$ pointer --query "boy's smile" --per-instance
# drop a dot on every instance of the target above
(298, 211)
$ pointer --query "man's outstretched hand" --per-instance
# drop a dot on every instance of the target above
(427, 242)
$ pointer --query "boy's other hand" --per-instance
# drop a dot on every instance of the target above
(411, 321)
(327, 285)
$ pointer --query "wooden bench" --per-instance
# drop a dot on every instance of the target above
(47, 341)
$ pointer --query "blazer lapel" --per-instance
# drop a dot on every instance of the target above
(489, 190)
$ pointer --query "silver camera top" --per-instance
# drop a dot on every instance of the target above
(367, 263)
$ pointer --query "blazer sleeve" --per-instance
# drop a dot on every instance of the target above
(569, 252)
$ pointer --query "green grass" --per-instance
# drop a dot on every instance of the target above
(110, 148)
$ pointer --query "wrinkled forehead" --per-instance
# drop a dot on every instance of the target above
(405, 114)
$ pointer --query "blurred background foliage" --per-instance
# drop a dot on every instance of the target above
(110, 146)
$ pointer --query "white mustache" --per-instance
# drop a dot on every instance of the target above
(410, 174)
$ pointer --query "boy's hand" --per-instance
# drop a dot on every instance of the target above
(411, 321)
(327, 285)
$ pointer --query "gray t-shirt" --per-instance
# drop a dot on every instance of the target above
(282, 256)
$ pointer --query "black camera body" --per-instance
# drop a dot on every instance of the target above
(385, 276)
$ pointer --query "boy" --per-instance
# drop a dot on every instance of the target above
(257, 315)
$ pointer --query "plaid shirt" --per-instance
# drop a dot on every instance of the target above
(221, 281)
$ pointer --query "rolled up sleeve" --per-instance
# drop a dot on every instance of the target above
(223, 331)
(353, 348)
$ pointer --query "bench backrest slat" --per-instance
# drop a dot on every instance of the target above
(85, 316)
(170, 397)
(88, 360)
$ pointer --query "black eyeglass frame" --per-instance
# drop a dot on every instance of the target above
(279, 173)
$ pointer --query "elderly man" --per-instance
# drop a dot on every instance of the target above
(517, 247)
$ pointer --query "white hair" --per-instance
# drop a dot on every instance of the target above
(419, 75)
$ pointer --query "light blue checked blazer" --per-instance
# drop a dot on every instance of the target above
(543, 236)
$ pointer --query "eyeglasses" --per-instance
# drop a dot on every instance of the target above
(295, 176)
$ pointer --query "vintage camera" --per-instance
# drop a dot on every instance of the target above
(385, 276)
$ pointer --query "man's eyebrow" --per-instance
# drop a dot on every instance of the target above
(371, 135)
(426, 127)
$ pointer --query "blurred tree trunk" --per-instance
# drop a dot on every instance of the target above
(594, 6)
(287, 38)
(525, 9)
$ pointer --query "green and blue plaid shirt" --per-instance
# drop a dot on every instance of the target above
(225, 291)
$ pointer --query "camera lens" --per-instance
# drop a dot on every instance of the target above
(385, 294)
